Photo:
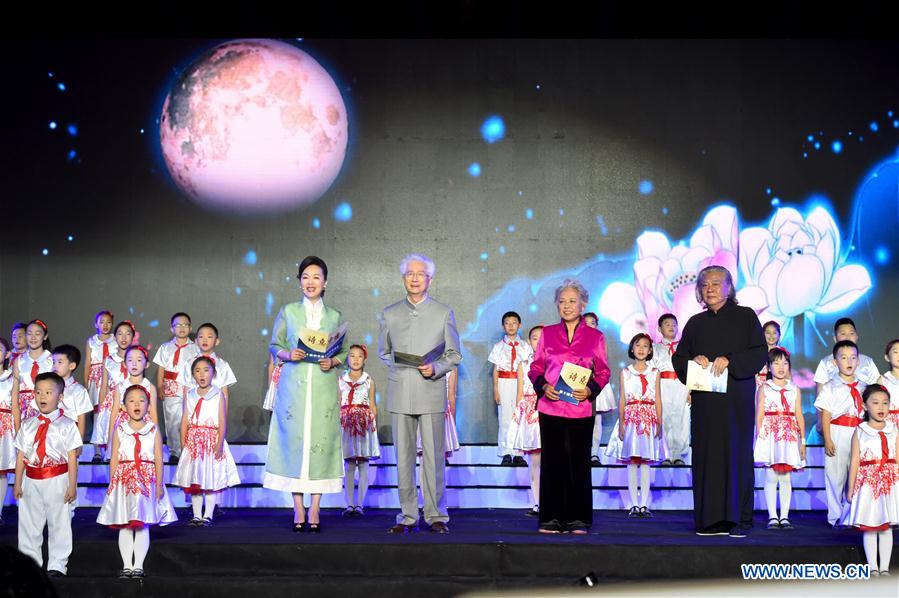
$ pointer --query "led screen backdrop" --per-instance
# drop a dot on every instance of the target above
(150, 177)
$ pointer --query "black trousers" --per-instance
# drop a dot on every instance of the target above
(566, 487)
(722, 429)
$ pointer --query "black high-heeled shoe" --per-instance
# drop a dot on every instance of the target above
(315, 528)
(299, 528)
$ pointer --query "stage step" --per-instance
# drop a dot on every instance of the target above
(468, 454)
(466, 497)
(474, 480)
(489, 475)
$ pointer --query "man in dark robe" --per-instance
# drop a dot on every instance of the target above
(725, 335)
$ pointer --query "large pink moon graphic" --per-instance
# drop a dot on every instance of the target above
(254, 126)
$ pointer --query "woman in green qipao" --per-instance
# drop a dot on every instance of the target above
(304, 448)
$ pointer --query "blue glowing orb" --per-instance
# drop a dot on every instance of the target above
(316, 223)
(882, 255)
(493, 129)
(837, 146)
(343, 212)
(645, 187)
(250, 258)
(474, 169)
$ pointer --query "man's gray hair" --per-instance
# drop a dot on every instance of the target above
(728, 280)
(573, 283)
(418, 257)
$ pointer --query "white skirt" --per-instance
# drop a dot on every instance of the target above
(7, 445)
(358, 433)
(100, 434)
(640, 443)
(198, 469)
(773, 447)
(606, 401)
(524, 431)
(875, 501)
(131, 500)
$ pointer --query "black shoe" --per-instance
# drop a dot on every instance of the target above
(299, 528)
(785, 524)
(773, 523)
(535, 512)
(137, 574)
(645, 513)
(518, 461)
(507, 460)
(553, 527)
(96, 460)
(55, 574)
(173, 459)
(125, 573)
(634, 512)
(315, 528)
(718, 529)
(595, 462)
(739, 531)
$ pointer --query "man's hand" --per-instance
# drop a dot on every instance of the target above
(427, 371)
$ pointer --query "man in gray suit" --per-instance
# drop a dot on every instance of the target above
(416, 396)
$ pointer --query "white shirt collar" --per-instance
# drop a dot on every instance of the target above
(414, 304)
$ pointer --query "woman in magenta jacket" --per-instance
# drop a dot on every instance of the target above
(566, 430)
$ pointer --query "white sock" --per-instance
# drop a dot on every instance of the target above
(632, 483)
(885, 540)
(363, 481)
(4, 484)
(349, 480)
(534, 466)
(869, 541)
(196, 501)
(210, 505)
(141, 546)
(126, 547)
(771, 492)
(644, 484)
(786, 493)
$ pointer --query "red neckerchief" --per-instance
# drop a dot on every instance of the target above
(178, 353)
(40, 439)
(856, 396)
(513, 344)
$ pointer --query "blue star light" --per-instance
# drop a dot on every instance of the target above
(837, 146)
(882, 255)
(316, 223)
(474, 169)
(645, 187)
(250, 258)
(72, 130)
(529, 214)
(52, 125)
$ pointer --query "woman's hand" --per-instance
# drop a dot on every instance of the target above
(582, 394)
(702, 360)
(802, 451)
(550, 392)
(297, 355)
(160, 491)
(720, 365)
(830, 448)
(620, 431)
(326, 364)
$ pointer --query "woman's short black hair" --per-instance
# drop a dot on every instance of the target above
(313, 260)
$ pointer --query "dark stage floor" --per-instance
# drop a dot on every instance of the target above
(254, 549)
